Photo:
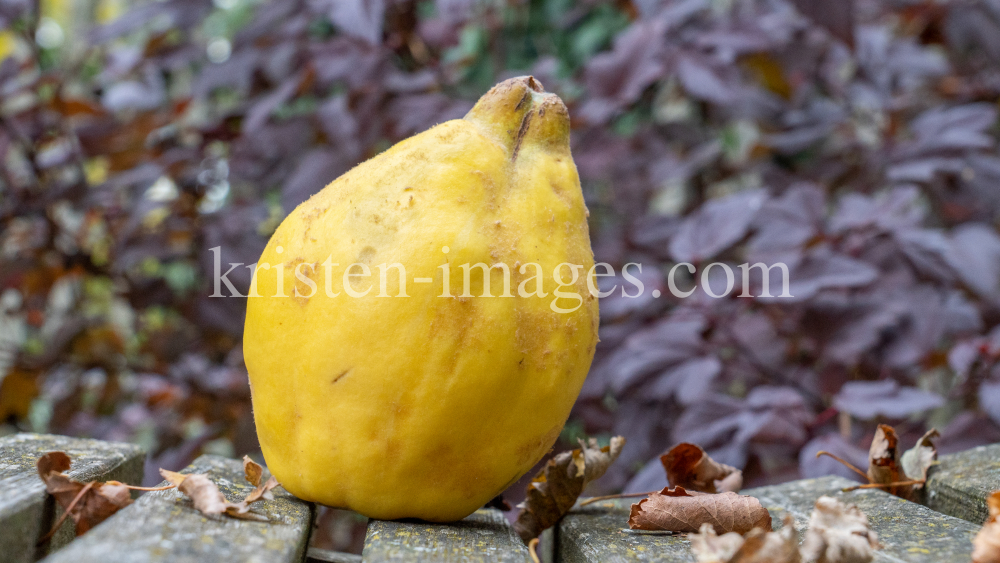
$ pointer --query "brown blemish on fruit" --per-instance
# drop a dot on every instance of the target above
(525, 98)
(341, 375)
(366, 255)
(525, 123)
(300, 289)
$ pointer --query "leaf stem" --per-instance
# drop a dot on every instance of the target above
(846, 463)
(881, 485)
(532, 546)
(66, 512)
(164, 488)
(623, 495)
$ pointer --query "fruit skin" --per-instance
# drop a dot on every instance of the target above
(427, 406)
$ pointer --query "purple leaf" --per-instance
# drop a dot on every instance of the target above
(626, 298)
(702, 82)
(823, 269)
(989, 399)
(261, 110)
(689, 381)
(317, 168)
(836, 17)
(617, 78)
(975, 256)
(870, 399)
(898, 208)
(360, 18)
(813, 467)
(785, 224)
(960, 127)
(715, 227)
(663, 344)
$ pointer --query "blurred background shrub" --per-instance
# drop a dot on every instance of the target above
(854, 141)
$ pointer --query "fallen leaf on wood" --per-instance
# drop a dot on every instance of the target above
(209, 500)
(201, 490)
(770, 547)
(253, 473)
(917, 460)
(88, 504)
(757, 547)
(838, 533)
(709, 547)
(556, 487)
(677, 510)
(883, 457)
(986, 544)
(688, 466)
(904, 475)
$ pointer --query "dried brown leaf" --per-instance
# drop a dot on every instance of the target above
(757, 547)
(209, 500)
(688, 466)
(770, 547)
(205, 494)
(262, 491)
(172, 477)
(838, 533)
(556, 487)
(88, 504)
(709, 547)
(917, 460)
(883, 458)
(887, 467)
(252, 471)
(986, 544)
(679, 511)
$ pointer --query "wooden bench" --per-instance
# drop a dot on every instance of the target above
(483, 537)
(27, 512)
(163, 526)
(959, 483)
(908, 531)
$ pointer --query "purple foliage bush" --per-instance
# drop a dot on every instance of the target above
(855, 142)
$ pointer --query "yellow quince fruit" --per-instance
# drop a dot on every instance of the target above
(384, 377)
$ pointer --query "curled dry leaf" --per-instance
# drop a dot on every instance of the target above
(917, 460)
(883, 457)
(757, 547)
(677, 510)
(201, 490)
(688, 466)
(88, 504)
(208, 499)
(986, 544)
(253, 473)
(556, 487)
(710, 547)
(838, 533)
(887, 467)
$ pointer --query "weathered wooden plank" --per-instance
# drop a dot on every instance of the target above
(163, 526)
(599, 532)
(959, 483)
(483, 537)
(317, 555)
(26, 510)
(908, 531)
